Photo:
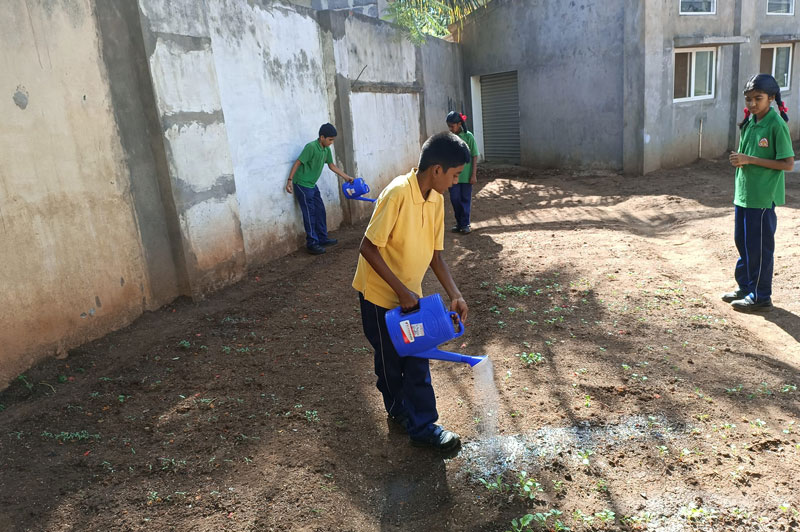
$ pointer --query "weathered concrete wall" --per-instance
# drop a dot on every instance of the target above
(392, 95)
(73, 267)
(272, 83)
(147, 145)
(185, 82)
(770, 29)
(672, 129)
(569, 59)
(442, 79)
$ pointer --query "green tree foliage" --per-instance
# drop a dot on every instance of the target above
(430, 17)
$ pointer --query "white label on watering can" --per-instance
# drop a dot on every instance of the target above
(408, 333)
(418, 329)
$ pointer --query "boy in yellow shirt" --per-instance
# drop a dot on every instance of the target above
(406, 235)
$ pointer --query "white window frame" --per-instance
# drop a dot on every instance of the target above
(774, 47)
(789, 14)
(693, 52)
(698, 13)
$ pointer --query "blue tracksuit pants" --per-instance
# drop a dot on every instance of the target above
(314, 217)
(754, 235)
(461, 198)
(405, 382)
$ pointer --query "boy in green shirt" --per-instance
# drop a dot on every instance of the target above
(303, 178)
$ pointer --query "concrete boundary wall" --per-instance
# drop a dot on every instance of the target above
(73, 264)
(148, 143)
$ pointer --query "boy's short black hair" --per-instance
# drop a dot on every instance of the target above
(444, 149)
(327, 130)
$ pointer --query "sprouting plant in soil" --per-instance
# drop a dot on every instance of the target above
(528, 487)
(496, 485)
(530, 359)
(584, 454)
(606, 515)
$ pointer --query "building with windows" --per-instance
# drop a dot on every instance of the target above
(628, 85)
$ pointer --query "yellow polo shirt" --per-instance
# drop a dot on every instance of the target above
(406, 228)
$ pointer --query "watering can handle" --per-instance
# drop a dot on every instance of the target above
(457, 319)
(412, 309)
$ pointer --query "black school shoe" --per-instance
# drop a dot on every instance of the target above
(444, 441)
(730, 297)
(455, 229)
(466, 230)
(748, 305)
(316, 250)
(329, 242)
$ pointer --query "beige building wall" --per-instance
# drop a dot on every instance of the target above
(72, 266)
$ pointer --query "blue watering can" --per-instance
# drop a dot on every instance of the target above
(356, 189)
(419, 332)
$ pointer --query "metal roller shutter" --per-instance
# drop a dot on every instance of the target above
(500, 107)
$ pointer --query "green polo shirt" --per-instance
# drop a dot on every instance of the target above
(312, 159)
(758, 187)
(467, 137)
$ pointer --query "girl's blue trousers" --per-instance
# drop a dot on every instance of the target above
(754, 234)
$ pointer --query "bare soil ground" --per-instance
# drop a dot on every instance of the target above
(628, 393)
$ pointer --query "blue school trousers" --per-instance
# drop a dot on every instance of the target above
(404, 382)
(461, 198)
(754, 235)
(314, 217)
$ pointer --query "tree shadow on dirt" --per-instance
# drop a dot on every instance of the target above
(617, 355)
(281, 404)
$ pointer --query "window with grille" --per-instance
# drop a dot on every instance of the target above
(776, 59)
(780, 7)
(695, 74)
(698, 7)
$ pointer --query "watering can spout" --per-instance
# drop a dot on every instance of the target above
(438, 354)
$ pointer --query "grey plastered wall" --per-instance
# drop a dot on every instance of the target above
(388, 95)
(186, 88)
(73, 265)
(672, 129)
(774, 29)
(442, 82)
(137, 122)
(271, 67)
(569, 59)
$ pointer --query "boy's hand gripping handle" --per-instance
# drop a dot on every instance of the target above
(458, 327)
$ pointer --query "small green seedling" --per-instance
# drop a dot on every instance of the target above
(528, 487)
(606, 516)
(585, 454)
(496, 485)
(312, 416)
(578, 515)
(521, 524)
(530, 359)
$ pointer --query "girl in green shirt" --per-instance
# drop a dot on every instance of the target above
(461, 191)
(765, 153)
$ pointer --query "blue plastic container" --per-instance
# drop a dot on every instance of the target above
(356, 189)
(420, 332)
